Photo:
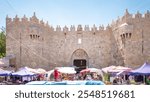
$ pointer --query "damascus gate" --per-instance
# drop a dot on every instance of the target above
(34, 43)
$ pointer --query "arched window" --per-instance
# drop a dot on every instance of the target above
(30, 36)
(130, 35)
(124, 36)
(33, 36)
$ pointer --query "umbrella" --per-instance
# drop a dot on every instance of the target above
(116, 69)
(36, 71)
(143, 70)
(90, 70)
(41, 71)
(29, 69)
(85, 70)
(5, 73)
(106, 69)
(66, 70)
(23, 72)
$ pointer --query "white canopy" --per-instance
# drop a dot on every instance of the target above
(115, 69)
(5, 73)
(67, 70)
(36, 71)
(23, 72)
(41, 71)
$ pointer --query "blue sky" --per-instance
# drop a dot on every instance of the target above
(72, 12)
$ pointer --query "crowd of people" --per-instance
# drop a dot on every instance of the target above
(78, 76)
(131, 80)
(58, 76)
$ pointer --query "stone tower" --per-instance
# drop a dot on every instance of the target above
(131, 33)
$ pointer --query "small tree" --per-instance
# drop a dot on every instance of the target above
(2, 43)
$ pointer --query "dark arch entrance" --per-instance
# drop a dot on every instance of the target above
(79, 59)
(80, 63)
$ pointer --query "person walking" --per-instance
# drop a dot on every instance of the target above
(56, 75)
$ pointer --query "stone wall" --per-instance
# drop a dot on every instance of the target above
(36, 44)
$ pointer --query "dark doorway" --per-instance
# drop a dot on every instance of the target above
(80, 64)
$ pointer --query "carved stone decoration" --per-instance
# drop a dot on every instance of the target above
(79, 54)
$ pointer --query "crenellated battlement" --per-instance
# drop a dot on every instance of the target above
(34, 20)
(130, 18)
(24, 19)
(127, 18)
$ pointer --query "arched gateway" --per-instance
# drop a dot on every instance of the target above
(80, 59)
